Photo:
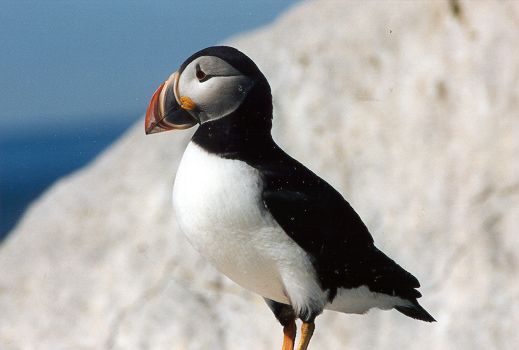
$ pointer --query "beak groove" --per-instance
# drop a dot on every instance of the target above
(153, 119)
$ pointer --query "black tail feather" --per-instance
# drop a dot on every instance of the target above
(415, 311)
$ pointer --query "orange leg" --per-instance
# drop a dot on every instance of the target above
(307, 330)
(289, 336)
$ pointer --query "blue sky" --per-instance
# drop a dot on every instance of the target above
(75, 74)
(63, 62)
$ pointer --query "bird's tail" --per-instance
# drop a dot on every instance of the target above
(415, 311)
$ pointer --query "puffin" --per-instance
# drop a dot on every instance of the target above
(258, 215)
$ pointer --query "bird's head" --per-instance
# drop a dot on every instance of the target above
(213, 83)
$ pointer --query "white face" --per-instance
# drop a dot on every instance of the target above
(216, 87)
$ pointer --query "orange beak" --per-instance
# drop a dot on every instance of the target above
(165, 112)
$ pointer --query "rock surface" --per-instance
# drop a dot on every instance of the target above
(410, 110)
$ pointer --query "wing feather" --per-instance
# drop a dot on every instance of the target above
(325, 225)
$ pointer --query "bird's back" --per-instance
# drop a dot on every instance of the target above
(323, 223)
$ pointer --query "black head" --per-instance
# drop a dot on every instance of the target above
(216, 86)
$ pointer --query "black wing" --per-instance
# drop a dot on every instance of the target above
(324, 224)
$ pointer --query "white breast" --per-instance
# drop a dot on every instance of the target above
(218, 205)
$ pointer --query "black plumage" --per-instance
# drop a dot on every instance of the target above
(308, 209)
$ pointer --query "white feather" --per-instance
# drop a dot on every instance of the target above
(219, 95)
(361, 299)
(218, 206)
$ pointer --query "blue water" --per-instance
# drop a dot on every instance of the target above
(31, 161)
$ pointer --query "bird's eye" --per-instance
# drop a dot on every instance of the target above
(200, 74)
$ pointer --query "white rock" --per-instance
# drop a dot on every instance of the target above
(410, 110)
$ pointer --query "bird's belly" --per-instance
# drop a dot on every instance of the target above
(218, 206)
(250, 267)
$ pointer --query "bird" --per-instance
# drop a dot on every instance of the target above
(258, 215)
